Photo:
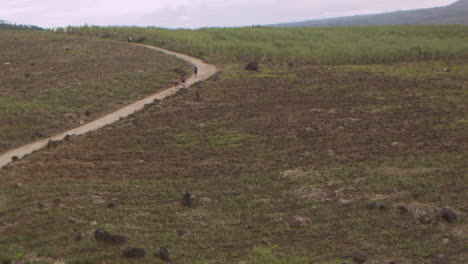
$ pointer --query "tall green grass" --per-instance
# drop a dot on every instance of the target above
(341, 45)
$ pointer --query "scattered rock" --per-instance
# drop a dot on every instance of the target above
(67, 138)
(14, 158)
(345, 202)
(38, 134)
(98, 199)
(359, 258)
(403, 209)
(424, 213)
(104, 236)
(449, 215)
(136, 122)
(78, 236)
(164, 254)
(440, 259)
(205, 200)
(332, 111)
(189, 199)
(253, 66)
(111, 205)
(445, 241)
(424, 219)
(52, 143)
(94, 223)
(446, 69)
(18, 185)
(88, 113)
(299, 221)
(376, 205)
(134, 252)
(181, 232)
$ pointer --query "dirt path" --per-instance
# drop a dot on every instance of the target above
(204, 72)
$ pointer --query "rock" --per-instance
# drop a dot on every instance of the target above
(440, 259)
(111, 205)
(78, 236)
(445, 241)
(133, 252)
(345, 202)
(253, 66)
(332, 111)
(66, 138)
(18, 185)
(359, 258)
(104, 236)
(181, 232)
(41, 205)
(14, 158)
(394, 262)
(98, 199)
(403, 209)
(94, 223)
(299, 221)
(136, 122)
(290, 65)
(371, 205)
(88, 113)
(446, 69)
(424, 219)
(449, 215)
(164, 254)
(205, 200)
(52, 143)
(188, 199)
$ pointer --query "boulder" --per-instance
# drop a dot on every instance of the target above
(133, 252)
(253, 66)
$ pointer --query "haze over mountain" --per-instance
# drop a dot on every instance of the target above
(456, 13)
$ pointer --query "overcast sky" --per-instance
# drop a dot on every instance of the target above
(193, 13)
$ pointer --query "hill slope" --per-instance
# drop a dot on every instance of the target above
(456, 13)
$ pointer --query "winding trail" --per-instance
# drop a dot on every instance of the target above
(204, 72)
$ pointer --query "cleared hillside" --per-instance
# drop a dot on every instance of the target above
(49, 83)
(457, 13)
(298, 165)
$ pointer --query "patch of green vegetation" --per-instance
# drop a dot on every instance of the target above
(415, 69)
(273, 73)
(350, 45)
(269, 255)
(380, 108)
(219, 139)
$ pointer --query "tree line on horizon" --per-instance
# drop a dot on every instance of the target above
(5, 25)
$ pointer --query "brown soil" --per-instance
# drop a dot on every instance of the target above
(49, 82)
(341, 130)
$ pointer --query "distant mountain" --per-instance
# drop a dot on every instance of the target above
(456, 13)
(5, 25)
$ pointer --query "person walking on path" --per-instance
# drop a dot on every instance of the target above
(175, 82)
(183, 80)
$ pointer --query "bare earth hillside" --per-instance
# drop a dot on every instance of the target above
(310, 164)
(49, 83)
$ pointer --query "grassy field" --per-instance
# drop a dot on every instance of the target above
(49, 82)
(343, 45)
(311, 164)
